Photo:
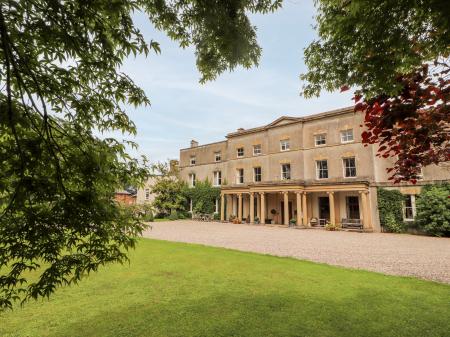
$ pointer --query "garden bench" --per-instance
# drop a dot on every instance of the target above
(352, 223)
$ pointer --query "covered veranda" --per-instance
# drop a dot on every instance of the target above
(300, 205)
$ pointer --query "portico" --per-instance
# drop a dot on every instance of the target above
(309, 205)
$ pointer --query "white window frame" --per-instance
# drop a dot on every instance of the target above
(192, 179)
(320, 137)
(320, 169)
(237, 152)
(283, 176)
(217, 156)
(257, 150)
(285, 145)
(344, 167)
(239, 177)
(254, 174)
(193, 160)
(216, 210)
(347, 136)
(412, 207)
(217, 178)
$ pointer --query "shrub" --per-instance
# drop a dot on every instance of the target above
(331, 227)
(216, 216)
(173, 215)
(433, 210)
(390, 207)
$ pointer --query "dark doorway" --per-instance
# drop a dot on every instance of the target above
(282, 211)
(324, 208)
(352, 207)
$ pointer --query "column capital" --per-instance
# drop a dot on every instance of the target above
(251, 193)
(284, 192)
(262, 193)
(330, 192)
(363, 191)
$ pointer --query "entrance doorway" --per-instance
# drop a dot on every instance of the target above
(324, 210)
(282, 211)
(352, 203)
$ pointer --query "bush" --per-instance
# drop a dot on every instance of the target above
(433, 210)
(390, 208)
(216, 216)
(173, 215)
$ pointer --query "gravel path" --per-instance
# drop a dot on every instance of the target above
(395, 254)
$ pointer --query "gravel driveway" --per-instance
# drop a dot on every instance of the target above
(395, 254)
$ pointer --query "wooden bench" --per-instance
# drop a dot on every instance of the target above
(352, 223)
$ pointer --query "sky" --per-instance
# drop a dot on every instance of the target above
(183, 109)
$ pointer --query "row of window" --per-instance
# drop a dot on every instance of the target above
(319, 140)
(349, 171)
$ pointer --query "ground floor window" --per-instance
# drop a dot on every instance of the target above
(217, 206)
(409, 210)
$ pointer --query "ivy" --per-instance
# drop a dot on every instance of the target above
(390, 208)
(203, 196)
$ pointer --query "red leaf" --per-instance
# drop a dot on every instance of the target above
(344, 88)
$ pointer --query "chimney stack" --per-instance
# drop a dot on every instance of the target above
(194, 143)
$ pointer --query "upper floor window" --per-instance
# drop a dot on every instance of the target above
(409, 207)
(320, 139)
(192, 179)
(193, 160)
(217, 178)
(285, 145)
(349, 167)
(322, 169)
(286, 171)
(257, 150)
(347, 136)
(257, 174)
(239, 176)
(240, 152)
(147, 194)
(217, 156)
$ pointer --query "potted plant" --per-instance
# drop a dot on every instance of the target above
(273, 211)
(256, 221)
(292, 222)
(331, 226)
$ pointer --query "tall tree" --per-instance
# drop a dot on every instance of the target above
(388, 49)
(60, 82)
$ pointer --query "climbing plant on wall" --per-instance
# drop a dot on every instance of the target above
(390, 205)
(203, 196)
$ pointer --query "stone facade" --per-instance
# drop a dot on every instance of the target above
(310, 169)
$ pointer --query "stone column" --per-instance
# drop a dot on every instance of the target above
(252, 207)
(222, 207)
(286, 207)
(240, 206)
(258, 206)
(305, 210)
(332, 209)
(299, 208)
(366, 209)
(263, 208)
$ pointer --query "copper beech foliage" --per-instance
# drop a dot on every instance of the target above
(412, 127)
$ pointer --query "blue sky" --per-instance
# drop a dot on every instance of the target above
(183, 109)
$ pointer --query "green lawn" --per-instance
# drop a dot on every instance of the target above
(173, 289)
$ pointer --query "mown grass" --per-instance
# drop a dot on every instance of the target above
(174, 289)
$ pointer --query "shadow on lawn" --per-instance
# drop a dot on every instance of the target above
(266, 314)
